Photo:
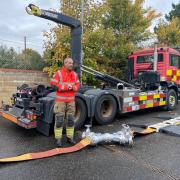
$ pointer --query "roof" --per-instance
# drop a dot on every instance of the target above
(160, 49)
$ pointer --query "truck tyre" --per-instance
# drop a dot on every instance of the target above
(171, 100)
(81, 113)
(105, 110)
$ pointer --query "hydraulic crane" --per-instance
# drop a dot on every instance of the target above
(74, 24)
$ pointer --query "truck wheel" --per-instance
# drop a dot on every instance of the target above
(105, 110)
(171, 100)
(81, 113)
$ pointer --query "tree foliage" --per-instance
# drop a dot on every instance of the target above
(130, 24)
(175, 12)
(30, 59)
(8, 57)
(168, 32)
(27, 59)
(112, 29)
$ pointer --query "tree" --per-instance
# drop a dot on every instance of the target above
(8, 57)
(112, 29)
(129, 23)
(175, 12)
(168, 32)
(30, 59)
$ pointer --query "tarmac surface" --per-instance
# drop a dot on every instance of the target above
(155, 156)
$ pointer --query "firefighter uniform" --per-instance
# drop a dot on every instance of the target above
(64, 107)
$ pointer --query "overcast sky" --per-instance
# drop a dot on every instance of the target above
(15, 23)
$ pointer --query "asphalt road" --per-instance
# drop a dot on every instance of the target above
(156, 156)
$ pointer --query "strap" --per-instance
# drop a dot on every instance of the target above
(64, 98)
(76, 78)
(60, 77)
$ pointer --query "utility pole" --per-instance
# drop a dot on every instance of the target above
(25, 43)
(155, 56)
(82, 25)
(25, 52)
(82, 16)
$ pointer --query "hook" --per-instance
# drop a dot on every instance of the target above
(31, 9)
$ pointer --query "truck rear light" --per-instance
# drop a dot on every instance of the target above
(34, 116)
(30, 115)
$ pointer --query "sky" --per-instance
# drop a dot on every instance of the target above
(15, 23)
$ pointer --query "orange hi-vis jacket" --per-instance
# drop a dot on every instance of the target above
(61, 79)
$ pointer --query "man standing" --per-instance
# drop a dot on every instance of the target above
(66, 82)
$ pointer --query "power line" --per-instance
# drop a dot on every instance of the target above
(20, 42)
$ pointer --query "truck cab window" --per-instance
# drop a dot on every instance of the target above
(149, 58)
(174, 60)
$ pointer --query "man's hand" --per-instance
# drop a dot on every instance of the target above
(70, 87)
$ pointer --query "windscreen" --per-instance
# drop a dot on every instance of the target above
(149, 58)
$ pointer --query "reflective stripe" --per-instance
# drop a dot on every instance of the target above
(128, 99)
(60, 76)
(70, 132)
(161, 103)
(174, 78)
(142, 98)
(62, 88)
(61, 80)
(150, 104)
(156, 96)
(135, 108)
(67, 83)
(169, 72)
(58, 133)
(54, 80)
(178, 73)
(75, 78)
(65, 98)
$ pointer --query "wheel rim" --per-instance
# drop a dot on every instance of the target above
(172, 100)
(106, 108)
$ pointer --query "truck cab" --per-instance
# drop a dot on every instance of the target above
(168, 64)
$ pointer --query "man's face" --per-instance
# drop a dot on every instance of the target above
(68, 63)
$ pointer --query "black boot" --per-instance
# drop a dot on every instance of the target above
(59, 120)
(59, 142)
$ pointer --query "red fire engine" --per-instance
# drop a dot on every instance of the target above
(167, 65)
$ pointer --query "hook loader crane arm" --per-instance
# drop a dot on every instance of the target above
(74, 24)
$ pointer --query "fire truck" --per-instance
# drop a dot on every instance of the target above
(167, 64)
(32, 107)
